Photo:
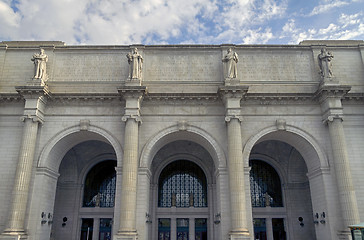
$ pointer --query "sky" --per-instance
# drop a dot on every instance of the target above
(154, 22)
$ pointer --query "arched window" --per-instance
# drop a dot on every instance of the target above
(265, 185)
(100, 183)
(182, 184)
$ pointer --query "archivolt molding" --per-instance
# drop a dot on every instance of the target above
(174, 133)
(307, 146)
(56, 148)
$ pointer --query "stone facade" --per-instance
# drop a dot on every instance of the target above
(298, 108)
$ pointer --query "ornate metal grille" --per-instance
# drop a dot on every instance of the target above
(100, 185)
(182, 184)
(265, 185)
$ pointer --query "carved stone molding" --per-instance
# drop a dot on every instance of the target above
(281, 124)
(182, 125)
(233, 91)
(331, 91)
(84, 125)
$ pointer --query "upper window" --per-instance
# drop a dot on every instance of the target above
(265, 185)
(100, 184)
(182, 184)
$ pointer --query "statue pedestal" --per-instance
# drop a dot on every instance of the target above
(36, 82)
(232, 81)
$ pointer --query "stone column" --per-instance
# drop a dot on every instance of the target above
(330, 99)
(35, 101)
(133, 96)
(232, 95)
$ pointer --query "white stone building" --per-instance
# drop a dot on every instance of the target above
(181, 141)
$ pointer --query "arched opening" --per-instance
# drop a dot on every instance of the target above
(280, 192)
(85, 194)
(183, 185)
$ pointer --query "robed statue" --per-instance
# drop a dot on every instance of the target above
(135, 61)
(324, 61)
(40, 65)
(230, 60)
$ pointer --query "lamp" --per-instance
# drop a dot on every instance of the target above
(64, 221)
(300, 219)
(217, 218)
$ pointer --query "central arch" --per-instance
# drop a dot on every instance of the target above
(160, 158)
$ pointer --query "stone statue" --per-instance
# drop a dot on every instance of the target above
(267, 199)
(230, 60)
(191, 199)
(174, 202)
(324, 61)
(135, 61)
(40, 62)
(98, 200)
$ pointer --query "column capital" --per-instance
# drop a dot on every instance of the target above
(136, 118)
(330, 118)
(35, 101)
(230, 117)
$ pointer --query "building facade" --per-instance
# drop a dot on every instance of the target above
(181, 141)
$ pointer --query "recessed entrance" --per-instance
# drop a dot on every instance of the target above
(183, 192)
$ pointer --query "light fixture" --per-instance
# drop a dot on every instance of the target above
(300, 219)
(148, 217)
(316, 216)
(43, 216)
(64, 221)
(217, 218)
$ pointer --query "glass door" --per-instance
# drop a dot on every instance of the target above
(182, 228)
(260, 230)
(105, 229)
(164, 228)
(200, 229)
(87, 228)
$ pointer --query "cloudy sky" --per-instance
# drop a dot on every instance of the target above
(120, 22)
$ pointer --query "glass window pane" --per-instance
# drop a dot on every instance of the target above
(87, 228)
(260, 230)
(164, 229)
(100, 185)
(278, 229)
(105, 229)
(200, 229)
(265, 185)
(182, 184)
(182, 228)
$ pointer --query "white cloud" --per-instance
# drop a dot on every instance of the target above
(169, 21)
(326, 6)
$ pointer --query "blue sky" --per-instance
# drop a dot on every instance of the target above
(124, 22)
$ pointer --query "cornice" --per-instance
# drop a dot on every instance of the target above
(10, 97)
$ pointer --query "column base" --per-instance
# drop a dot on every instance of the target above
(126, 236)
(239, 235)
(344, 235)
(13, 236)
